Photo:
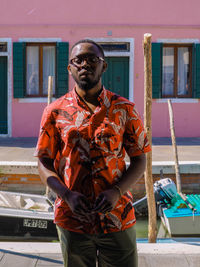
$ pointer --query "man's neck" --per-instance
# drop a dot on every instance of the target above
(89, 96)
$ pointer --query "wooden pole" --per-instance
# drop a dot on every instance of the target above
(50, 89)
(152, 230)
(173, 137)
(49, 100)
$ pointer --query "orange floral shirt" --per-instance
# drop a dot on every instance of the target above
(89, 151)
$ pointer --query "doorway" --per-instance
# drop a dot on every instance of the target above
(3, 95)
(116, 77)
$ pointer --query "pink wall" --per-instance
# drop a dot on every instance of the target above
(100, 12)
(186, 119)
(26, 119)
(74, 20)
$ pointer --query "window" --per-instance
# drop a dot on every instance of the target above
(3, 47)
(119, 47)
(40, 63)
(34, 62)
(175, 70)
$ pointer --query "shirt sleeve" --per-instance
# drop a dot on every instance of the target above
(135, 138)
(48, 141)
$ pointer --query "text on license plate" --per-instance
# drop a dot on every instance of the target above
(35, 223)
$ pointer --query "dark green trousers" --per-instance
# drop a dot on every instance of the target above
(104, 250)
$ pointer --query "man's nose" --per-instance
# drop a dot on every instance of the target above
(84, 61)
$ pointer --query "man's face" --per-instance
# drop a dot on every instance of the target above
(86, 73)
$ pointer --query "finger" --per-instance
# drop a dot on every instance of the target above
(98, 200)
(80, 213)
(89, 218)
(85, 203)
(84, 219)
(99, 203)
(106, 208)
(81, 210)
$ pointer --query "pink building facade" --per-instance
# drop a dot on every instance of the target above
(35, 38)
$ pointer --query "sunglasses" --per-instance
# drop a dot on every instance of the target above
(80, 61)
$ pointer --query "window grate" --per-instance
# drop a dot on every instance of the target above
(3, 47)
(120, 47)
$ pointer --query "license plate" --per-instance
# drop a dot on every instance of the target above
(35, 223)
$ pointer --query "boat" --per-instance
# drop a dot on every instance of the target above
(26, 217)
(179, 213)
(181, 217)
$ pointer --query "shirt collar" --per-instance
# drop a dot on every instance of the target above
(101, 97)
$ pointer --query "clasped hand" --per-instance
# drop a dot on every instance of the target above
(81, 206)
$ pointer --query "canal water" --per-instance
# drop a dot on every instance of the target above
(142, 228)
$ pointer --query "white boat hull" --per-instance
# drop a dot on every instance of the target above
(182, 226)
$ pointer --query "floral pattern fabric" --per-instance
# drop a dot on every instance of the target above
(89, 149)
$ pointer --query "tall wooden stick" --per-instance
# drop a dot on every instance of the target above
(49, 100)
(50, 89)
(152, 232)
(173, 137)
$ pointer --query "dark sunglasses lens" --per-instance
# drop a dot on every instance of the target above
(80, 61)
(92, 60)
(77, 61)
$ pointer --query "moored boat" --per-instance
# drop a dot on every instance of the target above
(181, 217)
(179, 213)
(26, 216)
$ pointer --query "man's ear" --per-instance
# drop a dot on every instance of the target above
(69, 69)
(104, 66)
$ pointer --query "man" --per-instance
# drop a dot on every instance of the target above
(81, 148)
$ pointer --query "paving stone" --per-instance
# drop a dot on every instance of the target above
(17, 260)
(142, 261)
(194, 260)
(1, 255)
(50, 260)
(166, 260)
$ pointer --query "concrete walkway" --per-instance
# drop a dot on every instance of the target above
(16, 155)
(173, 254)
(22, 149)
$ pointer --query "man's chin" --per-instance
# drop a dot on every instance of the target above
(86, 86)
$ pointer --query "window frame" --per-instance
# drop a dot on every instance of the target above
(176, 46)
(40, 45)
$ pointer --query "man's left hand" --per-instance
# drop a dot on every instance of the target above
(106, 201)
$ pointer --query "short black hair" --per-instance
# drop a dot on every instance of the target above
(90, 42)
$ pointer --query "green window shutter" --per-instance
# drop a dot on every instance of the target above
(19, 69)
(62, 51)
(196, 71)
(156, 52)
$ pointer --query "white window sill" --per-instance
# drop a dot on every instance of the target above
(177, 100)
(34, 100)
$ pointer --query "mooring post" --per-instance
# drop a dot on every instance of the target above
(173, 137)
(50, 89)
(152, 226)
(49, 100)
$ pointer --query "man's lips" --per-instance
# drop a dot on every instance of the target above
(85, 73)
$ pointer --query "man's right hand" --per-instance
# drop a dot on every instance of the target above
(78, 204)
